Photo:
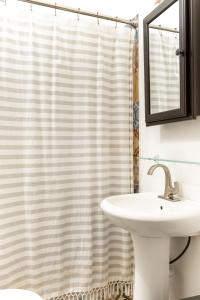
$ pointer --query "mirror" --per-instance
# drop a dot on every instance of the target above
(164, 61)
(171, 51)
(172, 62)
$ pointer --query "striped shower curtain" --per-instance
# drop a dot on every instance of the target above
(65, 145)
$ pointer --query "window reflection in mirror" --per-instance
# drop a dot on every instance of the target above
(164, 61)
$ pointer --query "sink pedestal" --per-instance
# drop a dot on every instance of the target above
(151, 280)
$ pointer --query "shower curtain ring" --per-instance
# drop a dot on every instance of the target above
(116, 22)
(78, 18)
(55, 10)
(97, 18)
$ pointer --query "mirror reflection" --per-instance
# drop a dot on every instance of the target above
(164, 61)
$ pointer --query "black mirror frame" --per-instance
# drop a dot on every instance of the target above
(185, 111)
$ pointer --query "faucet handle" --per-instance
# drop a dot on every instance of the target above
(176, 188)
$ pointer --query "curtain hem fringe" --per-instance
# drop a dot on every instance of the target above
(113, 290)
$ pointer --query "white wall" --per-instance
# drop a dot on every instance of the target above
(124, 9)
(173, 141)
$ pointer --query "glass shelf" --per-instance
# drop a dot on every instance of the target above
(157, 159)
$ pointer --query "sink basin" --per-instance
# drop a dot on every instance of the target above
(147, 215)
(151, 222)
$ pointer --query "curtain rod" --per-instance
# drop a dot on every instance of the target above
(81, 12)
(159, 27)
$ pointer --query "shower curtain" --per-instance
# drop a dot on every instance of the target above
(65, 144)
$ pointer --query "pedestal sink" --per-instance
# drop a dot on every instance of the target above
(152, 221)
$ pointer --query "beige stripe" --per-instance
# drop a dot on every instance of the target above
(71, 162)
(19, 243)
(63, 77)
(43, 232)
(66, 75)
(59, 190)
(57, 38)
(52, 200)
(36, 283)
(19, 26)
(116, 105)
(70, 265)
(90, 58)
(16, 254)
(46, 33)
(61, 64)
(18, 82)
(58, 112)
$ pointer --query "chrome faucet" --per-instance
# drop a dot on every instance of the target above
(170, 191)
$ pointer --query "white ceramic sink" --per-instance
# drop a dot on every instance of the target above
(147, 215)
(152, 221)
